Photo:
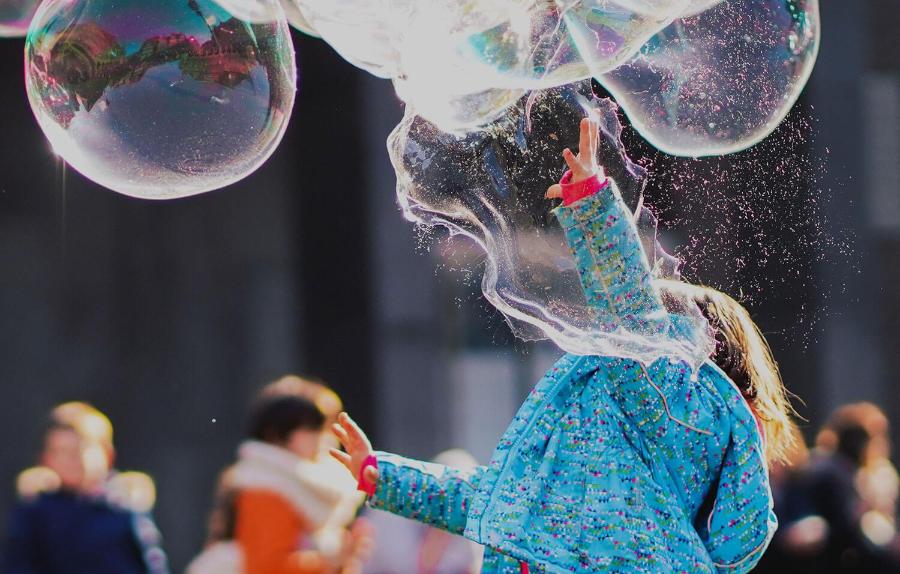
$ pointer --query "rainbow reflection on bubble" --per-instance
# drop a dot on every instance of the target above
(159, 99)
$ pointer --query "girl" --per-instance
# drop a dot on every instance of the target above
(611, 465)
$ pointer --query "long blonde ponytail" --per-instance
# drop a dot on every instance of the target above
(745, 356)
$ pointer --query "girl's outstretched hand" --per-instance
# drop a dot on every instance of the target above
(356, 444)
(584, 165)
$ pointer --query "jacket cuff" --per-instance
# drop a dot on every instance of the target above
(573, 192)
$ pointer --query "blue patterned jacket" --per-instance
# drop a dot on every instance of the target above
(609, 465)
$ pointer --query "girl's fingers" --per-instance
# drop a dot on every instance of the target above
(353, 431)
(555, 192)
(339, 432)
(571, 160)
(341, 456)
(595, 137)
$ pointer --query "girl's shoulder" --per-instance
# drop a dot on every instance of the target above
(702, 400)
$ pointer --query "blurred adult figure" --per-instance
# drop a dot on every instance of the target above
(75, 514)
(404, 546)
(281, 508)
(852, 487)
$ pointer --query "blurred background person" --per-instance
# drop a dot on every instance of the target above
(405, 546)
(75, 514)
(851, 486)
(281, 508)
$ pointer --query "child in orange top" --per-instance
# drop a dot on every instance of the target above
(277, 500)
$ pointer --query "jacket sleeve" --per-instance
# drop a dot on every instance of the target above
(742, 521)
(430, 493)
(614, 271)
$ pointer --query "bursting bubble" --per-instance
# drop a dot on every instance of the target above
(495, 89)
(159, 99)
(489, 186)
(15, 16)
(722, 80)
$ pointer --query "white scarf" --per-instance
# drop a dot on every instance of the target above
(320, 490)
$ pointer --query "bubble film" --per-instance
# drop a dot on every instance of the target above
(262, 11)
(720, 81)
(489, 185)
(15, 15)
(296, 18)
(254, 11)
(462, 64)
(159, 99)
(696, 77)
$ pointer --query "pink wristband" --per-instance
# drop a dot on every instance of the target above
(572, 192)
(365, 485)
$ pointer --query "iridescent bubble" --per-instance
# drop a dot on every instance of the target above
(720, 81)
(489, 185)
(680, 68)
(15, 15)
(458, 62)
(159, 99)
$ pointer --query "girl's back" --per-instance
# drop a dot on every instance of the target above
(611, 468)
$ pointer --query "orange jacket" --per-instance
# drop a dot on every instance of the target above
(269, 530)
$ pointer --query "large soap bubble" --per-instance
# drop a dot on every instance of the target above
(489, 185)
(720, 81)
(696, 77)
(159, 99)
(15, 15)
(462, 64)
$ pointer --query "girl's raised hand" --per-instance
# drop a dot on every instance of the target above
(356, 444)
(584, 165)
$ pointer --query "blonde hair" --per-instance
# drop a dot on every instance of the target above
(86, 420)
(745, 356)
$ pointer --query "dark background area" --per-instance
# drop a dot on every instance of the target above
(168, 316)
